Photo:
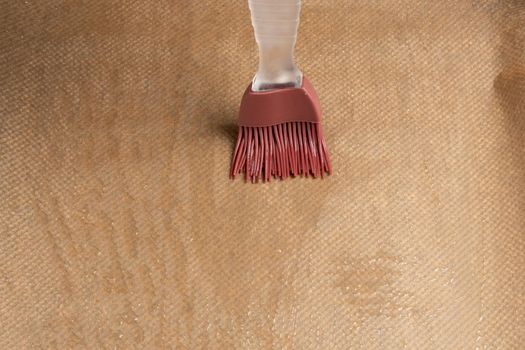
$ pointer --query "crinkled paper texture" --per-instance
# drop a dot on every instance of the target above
(119, 227)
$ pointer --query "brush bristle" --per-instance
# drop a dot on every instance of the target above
(279, 151)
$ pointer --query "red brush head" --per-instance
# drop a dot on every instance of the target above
(280, 135)
(267, 108)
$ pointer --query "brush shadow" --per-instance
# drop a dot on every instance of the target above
(223, 125)
(229, 130)
(509, 86)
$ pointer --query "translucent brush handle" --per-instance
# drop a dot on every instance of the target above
(275, 23)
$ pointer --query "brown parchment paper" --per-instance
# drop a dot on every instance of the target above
(119, 226)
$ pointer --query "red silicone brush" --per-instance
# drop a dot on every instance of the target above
(280, 131)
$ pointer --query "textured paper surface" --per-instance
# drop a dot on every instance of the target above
(119, 226)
